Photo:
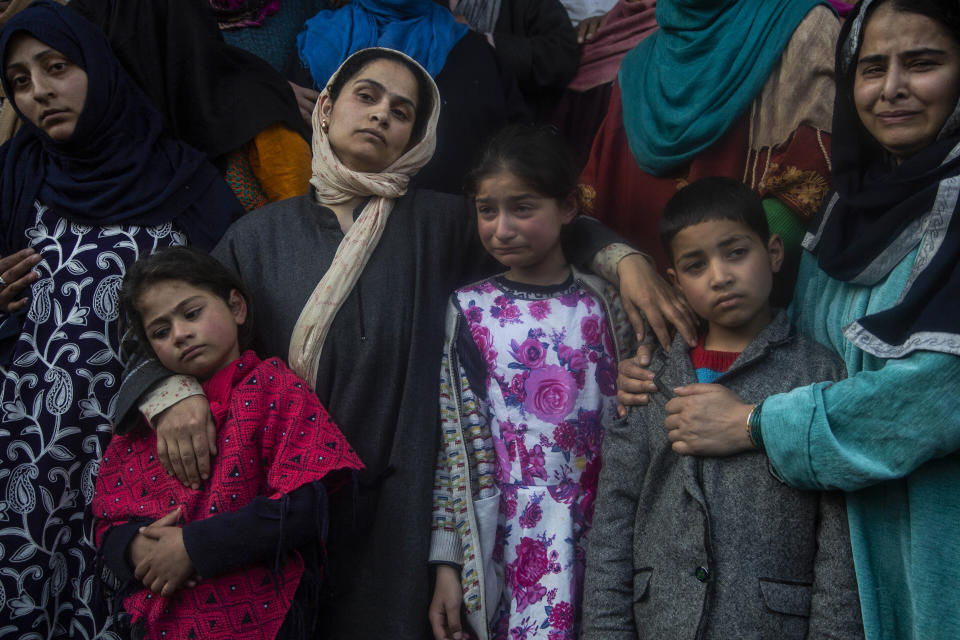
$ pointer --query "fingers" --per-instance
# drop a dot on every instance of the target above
(634, 378)
(659, 327)
(587, 29)
(626, 400)
(140, 571)
(168, 520)
(201, 454)
(211, 439)
(183, 429)
(697, 389)
(636, 320)
(444, 615)
(176, 464)
(169, 588)
(306, 100)
(683, 319)
(188, 461)
(17, 272)
(644, 353)
(16, 265)
(163, 455)
(672, 311)
(635, 382)
(452, 611)
(437, 621)
(195, 453)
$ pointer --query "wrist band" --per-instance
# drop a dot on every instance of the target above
(753, 426)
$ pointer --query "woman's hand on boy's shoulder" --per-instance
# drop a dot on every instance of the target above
(646, 295)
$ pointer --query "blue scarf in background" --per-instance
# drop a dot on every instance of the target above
(118, 166)
(422, 29)
(685, 85)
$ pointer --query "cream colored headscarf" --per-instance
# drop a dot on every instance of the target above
(334, 183)
(9, 122)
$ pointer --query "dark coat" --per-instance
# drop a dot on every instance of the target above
(720, 548)
(535, 40)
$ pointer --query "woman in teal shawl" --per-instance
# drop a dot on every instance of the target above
(687, 83)
(735, 88)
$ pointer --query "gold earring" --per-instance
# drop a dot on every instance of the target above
(325, 125)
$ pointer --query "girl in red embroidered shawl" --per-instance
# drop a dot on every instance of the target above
(226, 560)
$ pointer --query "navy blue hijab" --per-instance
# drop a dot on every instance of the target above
(117, 166)
(881, 211)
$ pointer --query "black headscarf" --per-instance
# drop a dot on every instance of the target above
(117, 166)
(881, 211)
(214, 96)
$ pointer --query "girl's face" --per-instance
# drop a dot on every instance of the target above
(521, 228)
(192, 330)
(371, 122)
(907, 80)
(48, 88)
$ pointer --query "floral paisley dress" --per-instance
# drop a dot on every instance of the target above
(59, 372)
(551, 383)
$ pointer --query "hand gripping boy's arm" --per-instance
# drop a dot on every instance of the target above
(835, 602)
(608, 589)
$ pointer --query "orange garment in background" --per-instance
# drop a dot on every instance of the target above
(280, 160)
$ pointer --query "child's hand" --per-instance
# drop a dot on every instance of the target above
(444, 612)
(141, 546)
(634, 381)
(166, 565)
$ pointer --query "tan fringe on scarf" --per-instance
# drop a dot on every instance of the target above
(9, 122)
(334, 183)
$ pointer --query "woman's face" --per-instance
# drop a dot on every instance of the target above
(372, 119)
(48, 88)
(907, 80)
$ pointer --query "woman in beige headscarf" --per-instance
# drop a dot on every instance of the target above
(352, 281)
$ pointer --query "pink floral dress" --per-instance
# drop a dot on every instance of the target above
(551, 384)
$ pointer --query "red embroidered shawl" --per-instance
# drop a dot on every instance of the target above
(273, 437)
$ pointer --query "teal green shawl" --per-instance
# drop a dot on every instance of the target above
(685, 85)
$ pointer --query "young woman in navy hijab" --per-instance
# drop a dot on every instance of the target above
(87, 185)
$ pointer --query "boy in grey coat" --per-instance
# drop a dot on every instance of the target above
(687, 547)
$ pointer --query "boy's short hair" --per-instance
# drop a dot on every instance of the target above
(708, 199)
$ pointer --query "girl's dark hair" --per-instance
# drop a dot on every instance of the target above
(184, 264)
(708, 199)
(536, 154)
(362, 58)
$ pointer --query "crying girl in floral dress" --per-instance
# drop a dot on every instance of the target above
(528, 380)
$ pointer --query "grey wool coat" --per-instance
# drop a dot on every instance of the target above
(687, 547)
